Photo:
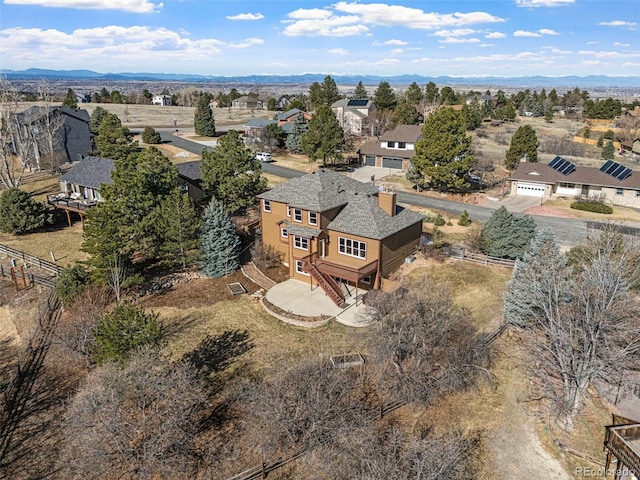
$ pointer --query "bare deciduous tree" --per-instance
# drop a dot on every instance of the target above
(580, 319)
(134, 422)
(380, 121)
(15, 150)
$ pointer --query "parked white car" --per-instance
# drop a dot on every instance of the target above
(264, 157)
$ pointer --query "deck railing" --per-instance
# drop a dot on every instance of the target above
(71, 203)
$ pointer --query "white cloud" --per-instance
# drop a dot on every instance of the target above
(393, 41)
(618, 44)
(619, 23)
(524, 33)
(557, 51)
(322, 23)
(397, 51)
(338, 51)
(458, 32)
(310, 14)
(603, 54)
(246, 43)
(388, 61)
(593, 43)
(135, 6)
(495, 35)
(459, 40)
(543, 3)
(117, 46)
(537, 33)
(246, 16)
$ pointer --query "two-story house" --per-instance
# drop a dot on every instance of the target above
(353, 115)
(394, 149)
(337, 232)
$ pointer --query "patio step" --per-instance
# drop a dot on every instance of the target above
(328, 284)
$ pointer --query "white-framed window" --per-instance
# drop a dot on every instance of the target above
(619, 191)
(402, 145)
(266, 205)
(313, 218)
(567, 185)
(301, 242)
(297, 215)
(353, 248)
(299, 267)
(288, 211)
(391, 144)
(283, 232)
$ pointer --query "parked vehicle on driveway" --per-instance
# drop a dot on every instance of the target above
(264, 157)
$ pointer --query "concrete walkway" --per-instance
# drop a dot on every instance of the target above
(298, 298)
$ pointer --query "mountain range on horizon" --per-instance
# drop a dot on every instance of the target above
(569, 81)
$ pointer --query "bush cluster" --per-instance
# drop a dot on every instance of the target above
(592, 207)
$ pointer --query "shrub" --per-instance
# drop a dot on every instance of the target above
(592, 207)
(439, 221)
(265, 255)
(464, 219)
(150, 136)
(20, 214)
(600, 141)
(124, 330)
(609, 135)
(72, 282)
(438, 238)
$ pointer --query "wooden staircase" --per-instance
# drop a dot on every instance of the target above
(326, 282)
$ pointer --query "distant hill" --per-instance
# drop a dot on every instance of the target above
(308, 78)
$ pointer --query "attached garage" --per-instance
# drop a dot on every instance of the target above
(370, 160)
(530, 189)
(391, 162)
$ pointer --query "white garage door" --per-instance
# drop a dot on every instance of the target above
(530, 189)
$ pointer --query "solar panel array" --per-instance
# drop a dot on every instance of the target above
(616, 170)
(559, 164)
(357, 102)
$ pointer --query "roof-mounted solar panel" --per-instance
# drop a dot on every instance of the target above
(562, 166)
(357, 102)
(616, 170)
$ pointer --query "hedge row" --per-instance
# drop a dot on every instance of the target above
(592, 207)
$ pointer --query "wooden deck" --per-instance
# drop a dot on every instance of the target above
(70, 204)
(622, 442)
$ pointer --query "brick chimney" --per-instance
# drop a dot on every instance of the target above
(387, 202)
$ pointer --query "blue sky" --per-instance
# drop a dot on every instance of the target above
(505, 38)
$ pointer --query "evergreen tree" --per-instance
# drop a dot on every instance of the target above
(384, 97)
(324, 138)
(608, 152)
(219, 243)
(70, 100)
(414, 95)
(360, 91)
(232, 174)
(505, 235)
(71, 283)
(203, 121)
(406, 113)
(113, 139)
(431, 93)
(97, 116)
(325, 93)
(181, 225)
(448, 96)
(150, 136)
(443, 154)
(298, 129)
(20, 214)
(128, 221)
(125, 330)
(524, 142)
(472, 113)
(273, 136)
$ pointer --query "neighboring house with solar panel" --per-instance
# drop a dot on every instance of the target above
(395, 149)
(353, 115)
(337, 233)
(612, 183)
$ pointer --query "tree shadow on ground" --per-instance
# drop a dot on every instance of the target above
(215, 354)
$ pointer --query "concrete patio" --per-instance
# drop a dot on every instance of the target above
(298, 298)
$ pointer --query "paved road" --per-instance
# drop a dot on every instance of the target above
(569, 231)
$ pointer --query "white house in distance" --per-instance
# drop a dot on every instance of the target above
(394, 149)
(353, 115)
(612, 183)
(162, 100)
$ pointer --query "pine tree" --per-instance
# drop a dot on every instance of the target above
(505, 235)
(70, 100)
(443, 154)
(298, 129)
(97, 116)
(203, 121)
(464, 220)
(608, 152)
(114, 139)
(231, 173)
(20, 214)
(324, 139)
(219, 243)
(413, 94)
(360, 91)
(150, 136)
(524, 142)
(181, 224)
(384, 97)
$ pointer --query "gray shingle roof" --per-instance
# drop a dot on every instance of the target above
(301, 231)
(403, 133)
(258, 123)
(90, 172)
(190, 170)
(289, 113)
(318, 191)
(363, 217)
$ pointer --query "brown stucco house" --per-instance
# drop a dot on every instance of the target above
(336, 232)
